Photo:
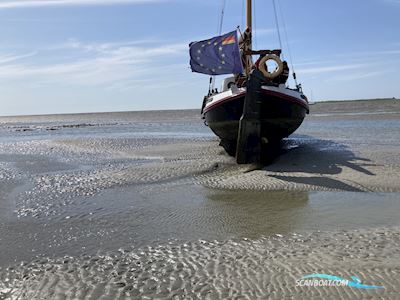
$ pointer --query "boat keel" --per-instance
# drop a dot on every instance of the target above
(248, 149)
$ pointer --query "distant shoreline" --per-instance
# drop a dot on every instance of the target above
(356, 100)
(178, 110)
(102, 112)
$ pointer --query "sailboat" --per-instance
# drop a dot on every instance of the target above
(255, 108)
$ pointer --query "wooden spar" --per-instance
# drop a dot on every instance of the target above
(249, 15)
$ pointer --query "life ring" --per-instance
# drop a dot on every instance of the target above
(263, 67)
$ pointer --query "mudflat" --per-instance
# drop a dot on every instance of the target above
(146, 204)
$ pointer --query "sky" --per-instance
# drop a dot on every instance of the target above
(71, 56)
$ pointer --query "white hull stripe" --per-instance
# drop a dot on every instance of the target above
(220, 99)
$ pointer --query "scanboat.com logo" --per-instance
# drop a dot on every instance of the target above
(317, 280)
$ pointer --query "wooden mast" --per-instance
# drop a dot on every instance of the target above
(248, 38)
(248, 147)
(249, 16)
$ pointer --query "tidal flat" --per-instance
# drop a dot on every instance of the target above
(137, 205)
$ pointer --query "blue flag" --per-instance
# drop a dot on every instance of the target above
(216, 56)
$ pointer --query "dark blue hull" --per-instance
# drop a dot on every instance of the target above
(279, 119)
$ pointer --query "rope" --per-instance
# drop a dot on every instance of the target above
(243, 11)
(287, 44)
(277, 25)
(221, 23)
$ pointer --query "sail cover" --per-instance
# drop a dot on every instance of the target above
(216, 56)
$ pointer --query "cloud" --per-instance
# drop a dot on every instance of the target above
(392, 1)
(40, 3)
(11, 57)
(329, 69)
(388, 52)
(363, 57)
(76, 44)
(358, 75)
(366, 61)
(265, 31)
(107, 64)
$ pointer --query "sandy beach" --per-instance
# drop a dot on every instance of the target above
(146, 204)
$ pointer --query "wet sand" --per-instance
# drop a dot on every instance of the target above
(77, 189)
(266, 268)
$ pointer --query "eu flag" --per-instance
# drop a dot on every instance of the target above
(216, 56)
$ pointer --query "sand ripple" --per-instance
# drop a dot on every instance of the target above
(259, 269)
(86, 167)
